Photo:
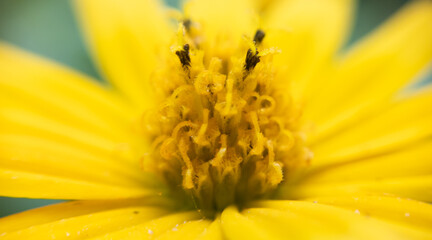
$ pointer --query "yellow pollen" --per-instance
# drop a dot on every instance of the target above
(223, 133)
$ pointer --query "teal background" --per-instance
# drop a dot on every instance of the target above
(48, 28)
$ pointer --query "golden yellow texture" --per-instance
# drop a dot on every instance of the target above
(279, 137)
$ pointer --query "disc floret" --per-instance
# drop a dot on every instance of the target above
(224, 132)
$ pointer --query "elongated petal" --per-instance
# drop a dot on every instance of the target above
(82, 219)
(25, 77)
(299, 220)
(153, 228)
(399, 210)
(64, 136)
(237, 226)
(213, 231)
(415, 187)
(223, 24)
(309, 33)
(404, 123)
(303, 220)
(373, 71)
(71, 209)
(126, 40)
(33, 185)
(411, 161)
(272, 220)
(187, 230)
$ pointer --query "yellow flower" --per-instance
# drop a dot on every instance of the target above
(235, 122)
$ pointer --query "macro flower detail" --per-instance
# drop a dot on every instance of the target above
(228, 120)
(225, 131)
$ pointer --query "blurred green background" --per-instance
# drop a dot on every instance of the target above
(48, 28)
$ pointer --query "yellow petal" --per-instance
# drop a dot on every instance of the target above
(71, 209)
(237, 226)
(153, 228)
(18, 183)
(284, 224)
(415, 187)
(187, 230)
(26, 80)
(213, 232)
(46, 156)
(126, 39)
(373, 70)
(403, 123)
(58, 124)
(407, 212)
(410, 161)
(305, 220)
(80, 219)
(309, 33)
(222, 24)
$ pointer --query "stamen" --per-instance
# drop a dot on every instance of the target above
(223, 133)
(259, 36)
(252, 55)
(187, 24)
(251, 60)
(184, 56)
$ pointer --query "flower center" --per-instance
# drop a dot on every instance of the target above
(223, 134)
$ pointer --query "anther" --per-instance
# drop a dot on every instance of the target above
(252, 57)
(187, 24)
(184, 56)
(251, 60)
(259, 36)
